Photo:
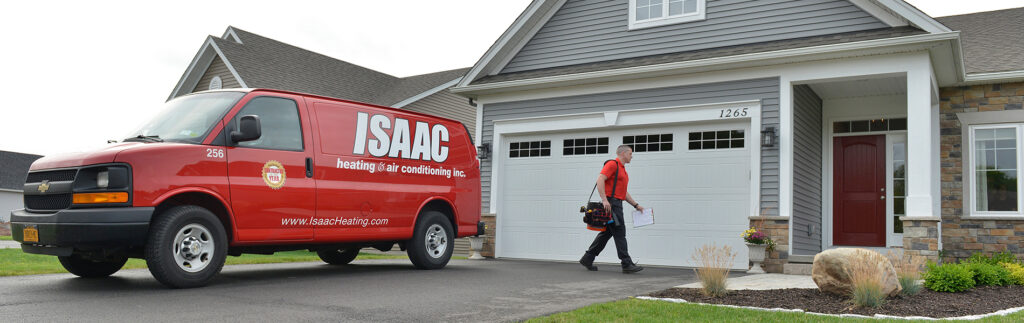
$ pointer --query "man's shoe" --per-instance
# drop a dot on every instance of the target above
(589, 265)
(632, 268)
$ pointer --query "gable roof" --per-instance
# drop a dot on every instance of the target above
(263, 62)
(12, 175)
(896, 14)
(992, 41)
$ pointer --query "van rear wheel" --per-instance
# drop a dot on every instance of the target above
(87, 268)
(186, 248)
(433, 242)
(338, 256)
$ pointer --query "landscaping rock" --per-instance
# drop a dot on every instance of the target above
(830, 270)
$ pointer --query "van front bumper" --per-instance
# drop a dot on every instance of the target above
(62, 232)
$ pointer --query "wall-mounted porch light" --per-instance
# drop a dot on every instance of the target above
(483, 151)
(768, 137)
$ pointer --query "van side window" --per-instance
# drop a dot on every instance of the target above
(279, 123)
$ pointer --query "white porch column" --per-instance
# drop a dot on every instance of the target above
(923, 195)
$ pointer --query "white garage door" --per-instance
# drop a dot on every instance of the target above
(700, 196)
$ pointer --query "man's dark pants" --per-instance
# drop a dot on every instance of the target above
(615, 230)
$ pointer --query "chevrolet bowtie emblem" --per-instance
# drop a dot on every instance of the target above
(45, 185)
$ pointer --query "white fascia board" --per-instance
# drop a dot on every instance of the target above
(191, 67)
(884, 14)
(502, 42)
(231, 35)
(510, 54)
(916, 17)
(426, 93)
(199, 61)
(995, 77)
(726, 62)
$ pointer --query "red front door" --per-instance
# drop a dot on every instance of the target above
(859, 191)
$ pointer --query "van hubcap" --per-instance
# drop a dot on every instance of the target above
(193, 248)
(437, 241)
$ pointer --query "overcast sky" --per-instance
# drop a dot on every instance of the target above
(76, 73)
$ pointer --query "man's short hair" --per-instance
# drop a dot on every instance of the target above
(622, 149)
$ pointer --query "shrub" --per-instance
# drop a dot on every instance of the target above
(999, 258)
(866, 280)
(950, 278)
(713, 268)
(908, 272)
(1016, 272)
(986, 274)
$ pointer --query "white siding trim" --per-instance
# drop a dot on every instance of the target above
(980, 78)
(502, 42)
(231, 33)
(916, 17)
(884, 14)
(426, 93)
(238, 78)
(526, 38)
(205, 59)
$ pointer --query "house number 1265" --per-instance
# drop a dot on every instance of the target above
(733, 113)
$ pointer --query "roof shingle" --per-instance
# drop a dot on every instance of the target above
(12, 175)
(992, 41)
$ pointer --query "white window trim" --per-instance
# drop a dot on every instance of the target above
(972, 173)
(892, 138)
(665, 19)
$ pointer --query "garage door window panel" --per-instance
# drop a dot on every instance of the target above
(649, 143)
(714, 140)
(529, 149)
(585, 146)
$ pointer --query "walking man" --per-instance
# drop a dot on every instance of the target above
(611, 183)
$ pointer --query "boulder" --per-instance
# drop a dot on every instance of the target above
(831, 270)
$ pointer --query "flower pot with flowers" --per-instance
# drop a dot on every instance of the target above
(757, 242)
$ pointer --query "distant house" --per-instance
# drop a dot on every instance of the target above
(240, 59)
(12, 179)
(830, 123)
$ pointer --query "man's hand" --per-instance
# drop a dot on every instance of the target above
(607, 206)
(639, 208)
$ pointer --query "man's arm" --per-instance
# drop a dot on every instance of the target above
(629, 199)
(600, 189)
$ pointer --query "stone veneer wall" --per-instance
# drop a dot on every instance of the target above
(962, 236)
(777, 228)
(489, 226)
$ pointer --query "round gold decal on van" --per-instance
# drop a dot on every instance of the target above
(273, 174)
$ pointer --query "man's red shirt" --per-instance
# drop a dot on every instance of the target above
(609, 171)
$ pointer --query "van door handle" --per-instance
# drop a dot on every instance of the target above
(309, 167)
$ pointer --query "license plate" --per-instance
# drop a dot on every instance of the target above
(30, 235)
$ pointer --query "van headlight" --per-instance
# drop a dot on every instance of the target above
(106, 184)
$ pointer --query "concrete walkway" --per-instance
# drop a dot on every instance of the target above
(764, 281)
(8, 244)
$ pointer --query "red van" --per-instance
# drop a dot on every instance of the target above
(255, 171)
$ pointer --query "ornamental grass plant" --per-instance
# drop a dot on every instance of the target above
(866, 278)
(713, 263)
(908, 272)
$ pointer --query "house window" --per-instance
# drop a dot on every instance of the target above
(529, 149)
(899, 184)
(994, 159)
(647, 143)
(585, 146)
(710, 140)
(650, 13)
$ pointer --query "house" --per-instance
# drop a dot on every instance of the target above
(827, 123)
(240, 59)
(12, 180)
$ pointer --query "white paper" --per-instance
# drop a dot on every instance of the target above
(644, 218)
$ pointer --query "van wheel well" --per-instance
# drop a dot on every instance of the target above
(445, 208)
(202, 200)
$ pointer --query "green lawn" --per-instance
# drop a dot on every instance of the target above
(6, 238)
(636, 310)
(14, 262)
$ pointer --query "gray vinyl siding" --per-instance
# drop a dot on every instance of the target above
(587, 31)
(807, 170)
(446, 104)
(217, 68)
(765, 90)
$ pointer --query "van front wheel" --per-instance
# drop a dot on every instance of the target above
(87, 268)
(433, 241)
(186, 248)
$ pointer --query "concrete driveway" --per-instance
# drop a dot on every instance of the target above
(368, 290)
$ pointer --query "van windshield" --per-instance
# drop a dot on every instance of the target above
(186, 119)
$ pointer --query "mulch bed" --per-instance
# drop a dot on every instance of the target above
(978, 300)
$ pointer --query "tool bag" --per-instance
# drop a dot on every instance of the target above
(594, 214)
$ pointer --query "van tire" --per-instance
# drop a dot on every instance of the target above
(186, 247)
(338, 256)
(87, 268)
(433, 241)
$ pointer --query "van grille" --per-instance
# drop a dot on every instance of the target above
(53, 176)
(48, 202)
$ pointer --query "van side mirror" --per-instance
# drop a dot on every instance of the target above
(248, 129)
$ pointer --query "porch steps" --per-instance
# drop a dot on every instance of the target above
(798, 265)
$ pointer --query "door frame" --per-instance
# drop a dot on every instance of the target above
(891, 239)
